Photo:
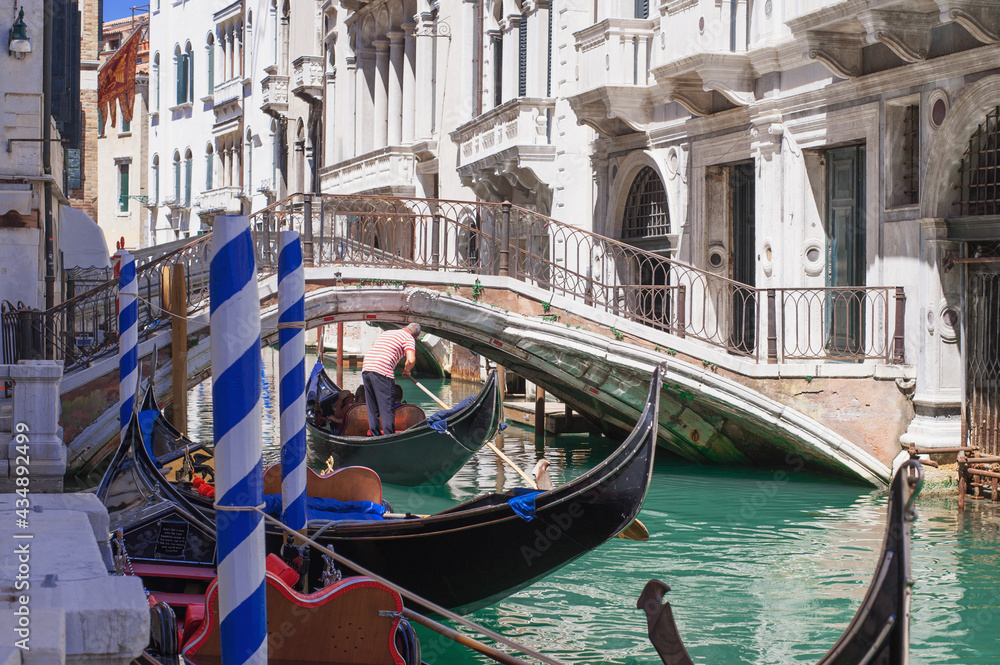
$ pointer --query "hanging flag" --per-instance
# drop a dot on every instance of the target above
(116, 79)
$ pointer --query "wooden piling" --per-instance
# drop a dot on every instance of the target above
(539, 414)
(178, 347)
(961, 480)
(340, 354)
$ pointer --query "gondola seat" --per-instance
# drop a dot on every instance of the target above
(356, 419)
(351, 483)
(352, 621)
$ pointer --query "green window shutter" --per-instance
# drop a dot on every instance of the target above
(181, 78)
(190, 68)
(187, 183)
(177, 181)
(211, 68)
(156, 184)
(100, 124)
(208, 171)
(123, 188)
(126, 126)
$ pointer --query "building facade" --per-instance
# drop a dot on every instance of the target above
(208, 60)
(122, 150)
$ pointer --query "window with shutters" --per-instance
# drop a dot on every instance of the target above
(903, 139)
(156, 180)
(123, 188)
(126, 127)
(497, 69)
(209, 164)
(210, 58)
(641, 8)
(190, 72)
(177, 177)
(182, 75)
(188, 167)
(156, 82)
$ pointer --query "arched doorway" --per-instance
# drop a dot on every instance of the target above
(646, 224)
(976, 220)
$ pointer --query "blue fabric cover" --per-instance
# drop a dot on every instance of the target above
(439, 420)
(311, 384)
(329, 509)
(146, 420)
(524, 503)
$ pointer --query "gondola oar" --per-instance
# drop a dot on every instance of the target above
(636, 530)
(499, 453)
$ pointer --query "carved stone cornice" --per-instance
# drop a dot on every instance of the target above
(980, 17)
(840, 52)
(602, 109)
(907, 34)
(691, 80)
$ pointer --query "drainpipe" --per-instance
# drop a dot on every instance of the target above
(50, 273)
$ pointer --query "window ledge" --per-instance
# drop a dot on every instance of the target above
(123, 213)
(182, 107)
(208, 99)
(124, 134)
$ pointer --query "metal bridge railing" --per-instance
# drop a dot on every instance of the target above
(85, 325)
(843, 323)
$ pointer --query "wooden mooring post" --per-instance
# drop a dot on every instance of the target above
(539, 414)
(340, 354)
(175, 289)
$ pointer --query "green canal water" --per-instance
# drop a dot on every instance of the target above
(765, 566)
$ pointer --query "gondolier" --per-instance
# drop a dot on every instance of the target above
(378, 374)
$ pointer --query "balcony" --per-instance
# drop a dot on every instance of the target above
(228, 92)
(390, 171)
(307, 77)
(507, 152)
(274, 92)
(221, 200)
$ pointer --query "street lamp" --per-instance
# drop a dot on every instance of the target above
(19, 45)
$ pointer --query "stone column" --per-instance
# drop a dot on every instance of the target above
(381, 89)
(409, 112)
(366, 104)
(347, 116)
(238, 30)
(231, 28)
(938, 397)
(510, 57)
(36, 417)
(395, 122)
(424, 76)
(331, 153)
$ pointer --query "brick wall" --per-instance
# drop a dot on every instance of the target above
(85, 198)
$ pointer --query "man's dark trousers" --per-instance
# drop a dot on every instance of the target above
(378, 399)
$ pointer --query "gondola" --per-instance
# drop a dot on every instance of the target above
(419, 455)
(879, 632)
(463, 558)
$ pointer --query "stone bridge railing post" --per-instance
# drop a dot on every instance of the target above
(307, 231)
(898, 342)
(772, 327)
(435, 239)
(505, 245)
(35, 417)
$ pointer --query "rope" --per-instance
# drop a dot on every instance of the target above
(434, 607)
(242, 509)
(292, 325)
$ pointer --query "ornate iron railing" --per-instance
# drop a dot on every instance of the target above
(502, 239)
(85, 325)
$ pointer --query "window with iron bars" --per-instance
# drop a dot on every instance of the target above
(646, 213)
(903, 130)
(979, 171)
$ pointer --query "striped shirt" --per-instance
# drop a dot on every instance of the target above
(387, 351)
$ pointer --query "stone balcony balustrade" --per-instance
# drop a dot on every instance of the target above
(389, 171)
(274, 93)
(228, 92)
(307, 77)
(508, 149)
(220, 200)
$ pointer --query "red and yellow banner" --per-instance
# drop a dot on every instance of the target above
(116, 80)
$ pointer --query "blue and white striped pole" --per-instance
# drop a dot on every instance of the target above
(292, 388)
(128, 338)
(236, 401)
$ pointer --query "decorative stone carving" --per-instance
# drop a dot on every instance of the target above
(307, 77)
(979, 17)
(907, 34)
(274, 93)
(419, 301)
(840, 52)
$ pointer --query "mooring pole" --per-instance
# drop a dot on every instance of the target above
(128, 338)
(539, 414)
(236, 406)
(340, 354)
(178, 347)
(292, 369)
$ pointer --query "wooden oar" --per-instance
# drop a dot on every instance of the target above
(499, 453)
(634, 531)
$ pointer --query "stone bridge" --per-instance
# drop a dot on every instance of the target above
(716, 407)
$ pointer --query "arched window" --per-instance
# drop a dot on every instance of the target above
(189, 52)
(156, 180)
(210, 57)
(181, 63)
(156, 81)
(209, 165)
(979, 170)
(646, 213)
(177, 177)
(249, 144)
(188, 166)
